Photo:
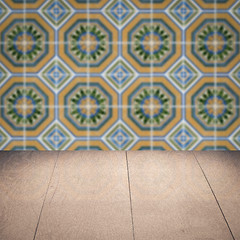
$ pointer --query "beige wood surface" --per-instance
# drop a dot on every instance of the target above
(88, 198)
(222, 169)
(171, 198)
(88, 195)
(24, 178)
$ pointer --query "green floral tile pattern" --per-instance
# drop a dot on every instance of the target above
(119, 75)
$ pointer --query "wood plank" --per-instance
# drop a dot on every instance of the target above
(24, 178)
(222, 169)
(171, 198)
(88, 198)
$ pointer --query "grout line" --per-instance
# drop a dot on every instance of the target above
(24, 76)
(114, 42)
(131, 106)
(119, 65)
(214, 196)
(183, 93)
(130, 198)
(151, 77)
(215, 75)
(55, 85)
(35, 233)
(140, 10)
(88, 75)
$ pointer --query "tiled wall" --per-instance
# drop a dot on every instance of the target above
(119, 74)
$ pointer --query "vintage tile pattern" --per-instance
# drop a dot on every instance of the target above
(119, 74)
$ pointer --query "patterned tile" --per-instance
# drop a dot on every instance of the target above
(56, 74)
(152, 106)
(158, 145)
(56, 137)
(28, 42)
(56, 12)
(221, 145)
(88, 4)
(184, 74)
(215, 4)
(3, 11)
(183, 11)
(119, 75)
(120, 12)
(183, 137)
(216, 106)
(24, 4)
(152, 42)
(4, 137)
(207, 34)
(3, 74)
(88, 106)
(120, 137)
(235, 74)
(236, 10)
(151, 4)
(26, 106)
(90, 45)
(88, 145)
(18, 145)
(236, 138)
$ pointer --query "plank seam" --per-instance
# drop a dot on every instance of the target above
(35, 233)
(130, 198)
(214, 196)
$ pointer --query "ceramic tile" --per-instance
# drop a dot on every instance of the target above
(215, 4)
(158, 145)
(88, 144)
(183, 137)
(17, 5)
(119, 75)
(222, 145)
(29, 145)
